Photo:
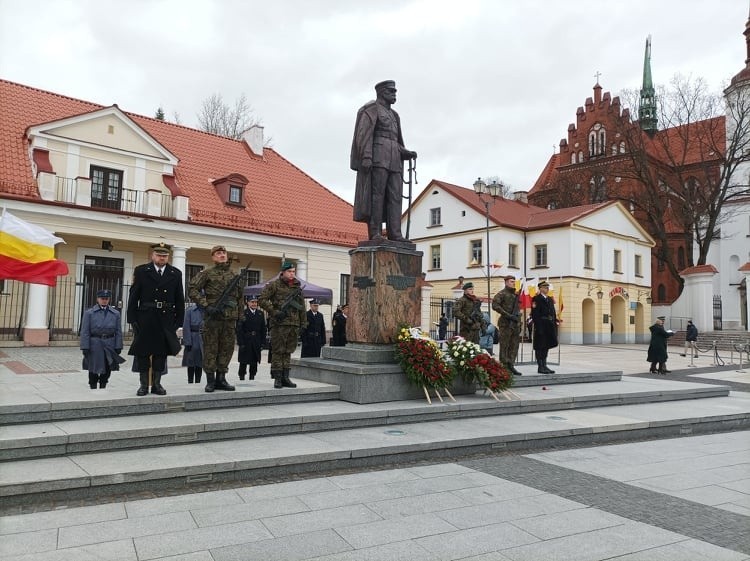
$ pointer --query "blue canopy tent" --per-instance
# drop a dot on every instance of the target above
(309, 290)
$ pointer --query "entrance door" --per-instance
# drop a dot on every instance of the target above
(101, 273)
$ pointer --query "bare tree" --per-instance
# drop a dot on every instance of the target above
(217, 117)
(682, 177)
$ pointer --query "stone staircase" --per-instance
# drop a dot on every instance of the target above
(76, 449)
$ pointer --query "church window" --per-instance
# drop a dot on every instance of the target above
(573, 158)
(580, 155)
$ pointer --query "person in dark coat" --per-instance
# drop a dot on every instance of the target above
(443, 327)
(691, 337)
(192, 340)
(545, 327)
(657, 348)
(101, 340)
(156, 308)
(339, 327)
(314, 333)
(251, 333)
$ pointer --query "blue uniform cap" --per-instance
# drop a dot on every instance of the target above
(104, 294)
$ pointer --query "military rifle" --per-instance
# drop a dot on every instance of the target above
(224, 302)
(291, 301)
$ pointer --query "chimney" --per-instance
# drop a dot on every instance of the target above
(253, 137)
(521, 196)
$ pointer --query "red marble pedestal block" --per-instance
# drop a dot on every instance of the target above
(384, 292)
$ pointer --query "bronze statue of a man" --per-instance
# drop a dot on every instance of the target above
(378, 154)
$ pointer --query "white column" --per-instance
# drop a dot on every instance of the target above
(424, 314)
(747, 299)
(699, 292)
(179, 255)
(302, 269)
(36, 330)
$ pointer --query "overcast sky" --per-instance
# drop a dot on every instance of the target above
(485, 87)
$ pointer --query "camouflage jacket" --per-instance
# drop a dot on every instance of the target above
(505, 304)
(207, 287)
(279, 298)
(470, 313)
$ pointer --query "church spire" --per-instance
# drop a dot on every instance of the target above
(647, 109)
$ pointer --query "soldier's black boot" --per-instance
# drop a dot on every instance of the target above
(191, 374)
(547, 368)
(513, 370)
(241, 371)
(276, 375)
(93, 379)
(285, 381)
(252, 372)
(198, 374)
(221, 382)
(103, 379)
(143, 390)
(156, 386)
(210, 381)
(540, 366)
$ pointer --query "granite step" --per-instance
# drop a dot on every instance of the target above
(175, 426)
(198, 464)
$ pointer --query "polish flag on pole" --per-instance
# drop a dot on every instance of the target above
(527, 290)
(27, 252)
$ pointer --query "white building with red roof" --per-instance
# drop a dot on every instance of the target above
(112, 184)
(596, 257)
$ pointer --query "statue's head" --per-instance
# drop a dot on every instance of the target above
(386, 90)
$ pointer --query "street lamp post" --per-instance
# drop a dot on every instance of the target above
(488, 194)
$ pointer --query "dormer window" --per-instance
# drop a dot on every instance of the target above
(235, 194)
(231, 189)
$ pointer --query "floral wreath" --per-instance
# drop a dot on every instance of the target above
(474, 365)
(422, 360)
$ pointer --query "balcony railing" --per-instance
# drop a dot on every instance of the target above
(80, 192)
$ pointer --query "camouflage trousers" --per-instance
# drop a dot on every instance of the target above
(218, 344)
(508, 337)
(284, 341)
(470, 334)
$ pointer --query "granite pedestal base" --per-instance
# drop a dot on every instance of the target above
(365, 374)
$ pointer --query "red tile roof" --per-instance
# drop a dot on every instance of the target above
(516, 214)
(280, 199)
(699, 269)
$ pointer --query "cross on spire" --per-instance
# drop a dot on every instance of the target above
(597, 76)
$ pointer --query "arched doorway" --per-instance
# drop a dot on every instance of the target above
(640, 324)
(619, 319)
(588, 315)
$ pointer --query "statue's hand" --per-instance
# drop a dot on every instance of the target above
(366, 163)
(412, 155)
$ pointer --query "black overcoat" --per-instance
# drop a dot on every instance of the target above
(157, 305)
(657, 348)
(338, 332)
(251, 333)
(545, 322)
(313, 335)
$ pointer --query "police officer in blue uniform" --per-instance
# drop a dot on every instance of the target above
(101, 340)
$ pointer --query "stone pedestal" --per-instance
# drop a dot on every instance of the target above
(384, 295)
(384, 292)
(365, 374)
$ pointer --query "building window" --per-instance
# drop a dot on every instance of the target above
(661, 293)
(588, 256)
(235, 194)
(344, 289)
(573, 158)
(540, 255)
(638, 266)
(617, 261)
(106, 187)
(434, 257)
(512, 255)
(476, 252)
(252, 277)
(435, 217)
(580, 155)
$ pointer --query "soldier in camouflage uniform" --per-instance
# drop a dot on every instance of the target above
(282, 299)
(505, 303)
(206, 289)
(468, 310)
